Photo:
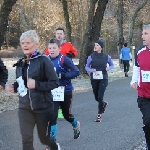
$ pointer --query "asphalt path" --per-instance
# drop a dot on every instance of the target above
(120, 129)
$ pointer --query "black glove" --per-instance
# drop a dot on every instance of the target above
(131, 59)
(61, 76)
(121, 61)
(70, 55)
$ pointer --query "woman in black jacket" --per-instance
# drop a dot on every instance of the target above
(35, 78)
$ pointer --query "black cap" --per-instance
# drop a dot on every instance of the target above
(100, 43)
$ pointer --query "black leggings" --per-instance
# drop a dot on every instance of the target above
(66, 109)
(126, 65)
(144, 105)
(28, 119)
(99, 87)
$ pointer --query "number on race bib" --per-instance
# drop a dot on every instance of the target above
(58, 93)
(97, 75)
(145, 76)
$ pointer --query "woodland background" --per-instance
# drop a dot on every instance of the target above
(113, 21)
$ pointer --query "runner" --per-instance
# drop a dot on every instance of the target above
(97, 67)
(35, 78)
(66, 71)
(141, 81)
(66, 48)
(125, 56)
(3, 80)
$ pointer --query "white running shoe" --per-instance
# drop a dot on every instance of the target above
(58, 146)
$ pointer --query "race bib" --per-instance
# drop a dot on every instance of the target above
(22, 90)
(58, 93)
(145, 76)
(97, 75)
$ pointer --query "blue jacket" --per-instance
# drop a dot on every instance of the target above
(125, 54)
(64, 66)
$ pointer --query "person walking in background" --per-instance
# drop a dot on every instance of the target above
(66, 71)
(66, 48)
(125, 56)
(97, 67)
(141, 81)
(35, 78)
(3, 80)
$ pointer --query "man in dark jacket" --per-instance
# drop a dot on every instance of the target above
(3, 80)
(3, 75)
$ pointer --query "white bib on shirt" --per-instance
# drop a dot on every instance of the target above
(97, 75)
(58, 93)
(21, 89)
(145, 76)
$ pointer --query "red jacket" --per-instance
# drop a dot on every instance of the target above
(65, 48)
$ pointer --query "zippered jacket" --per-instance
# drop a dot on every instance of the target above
(141, 71)
(3, 74)
(42, 71)
(66, 69)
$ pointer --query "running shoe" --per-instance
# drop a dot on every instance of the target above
(60, 115)
(58, 147)
(104, 106)
(77, 131)
(98, 119)
(126, 75)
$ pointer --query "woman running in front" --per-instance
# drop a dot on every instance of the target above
(97, 66)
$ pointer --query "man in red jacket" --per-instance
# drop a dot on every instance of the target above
(67, 48)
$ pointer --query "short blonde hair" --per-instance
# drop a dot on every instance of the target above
(30, 34)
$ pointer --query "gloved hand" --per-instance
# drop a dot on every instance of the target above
(131, 59)
(121, 61)
(70, 55)
(61, 76)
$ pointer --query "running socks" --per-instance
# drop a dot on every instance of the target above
(53, 131)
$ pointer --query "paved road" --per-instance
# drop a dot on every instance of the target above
(120, 128)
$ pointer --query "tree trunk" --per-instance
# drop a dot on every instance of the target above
(5, 10)
(92, 32)
(120, 23)
(120, 12)
(133, 21)
(66, 16)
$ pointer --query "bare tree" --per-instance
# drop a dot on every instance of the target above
(92, 32)
(120, 13)
(5, 10)
(66, 16)
(132, 25)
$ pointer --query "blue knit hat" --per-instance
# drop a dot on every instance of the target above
(100, 43)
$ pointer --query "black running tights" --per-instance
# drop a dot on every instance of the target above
(99, 87)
